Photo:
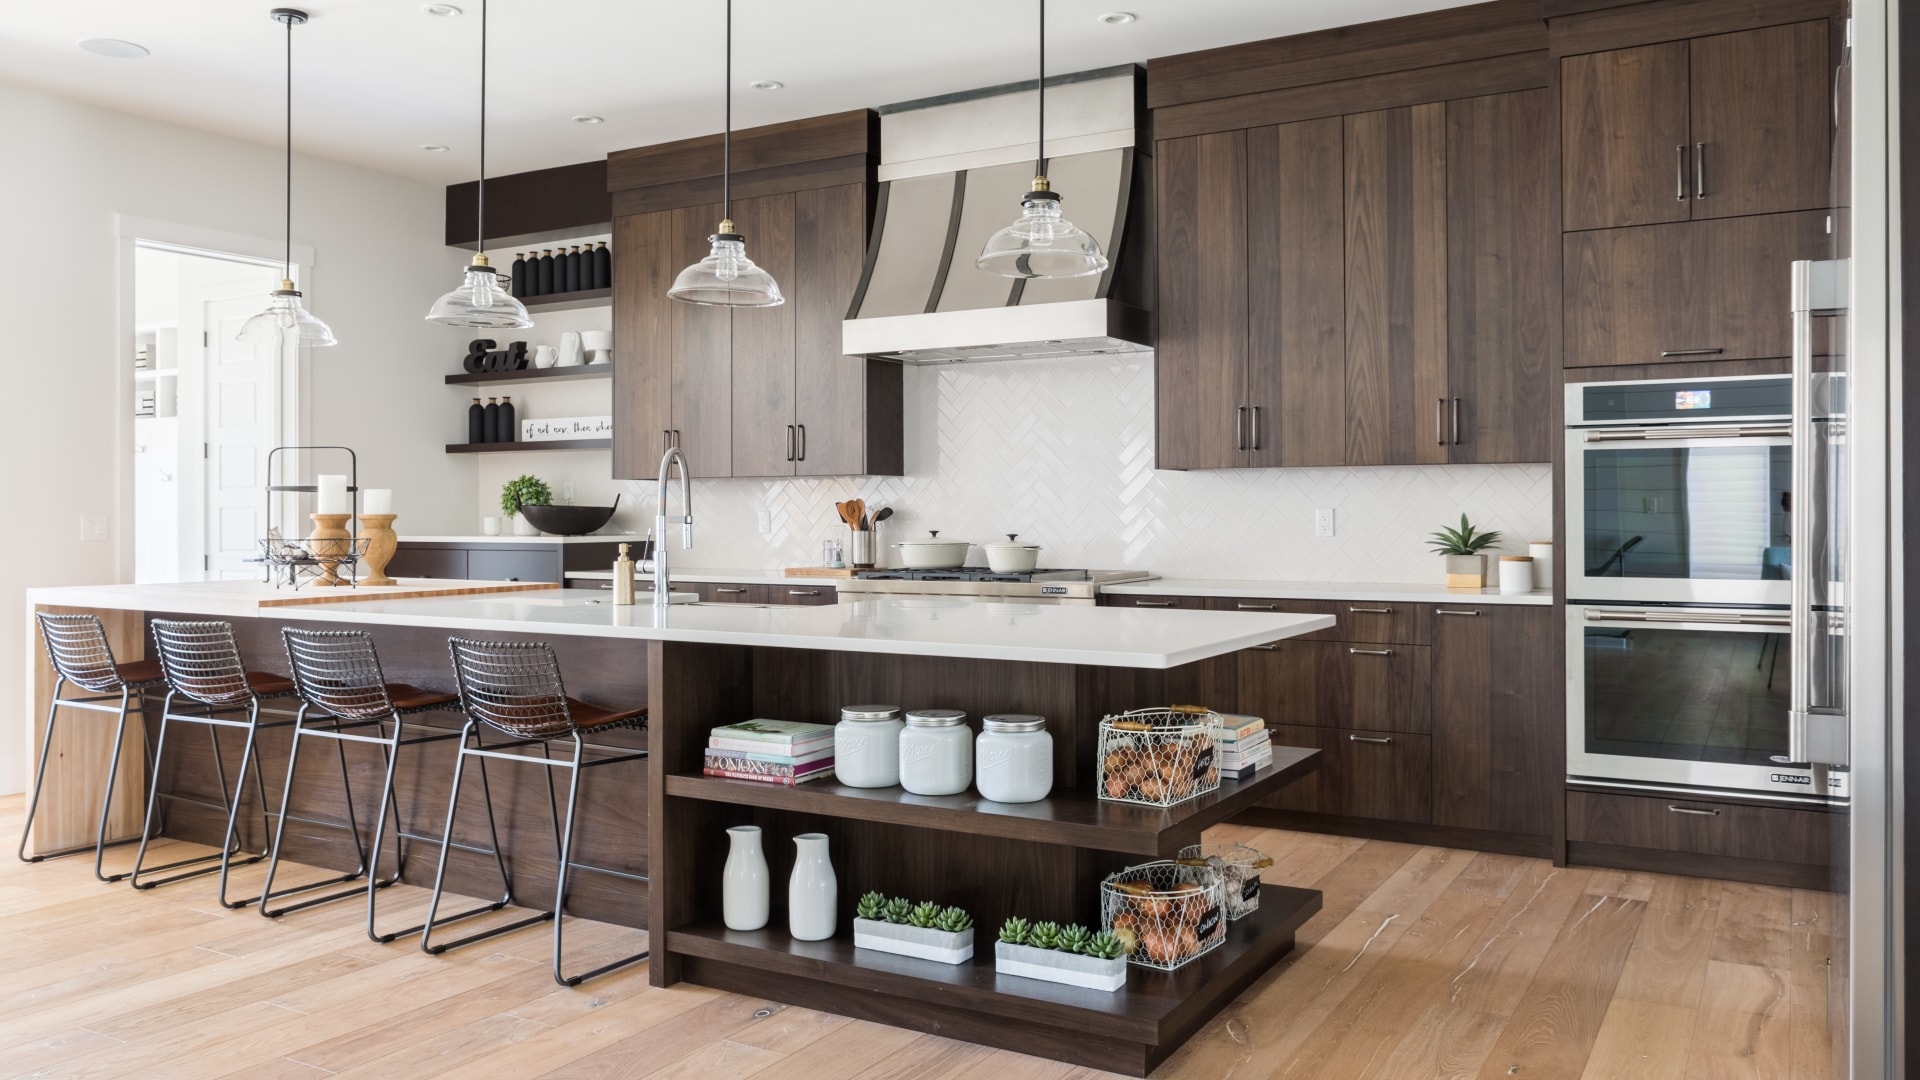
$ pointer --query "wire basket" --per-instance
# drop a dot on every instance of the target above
(1166, 913)
(1239, 868)
(1159, 757)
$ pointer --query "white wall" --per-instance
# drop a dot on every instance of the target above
(379, 262)
(1061, 452)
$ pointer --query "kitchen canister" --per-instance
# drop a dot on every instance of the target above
(1516, 573)
(1013, 758)
(866, 746)
(936, 752)
(813, 892)
(744, 898)
(1542, 552)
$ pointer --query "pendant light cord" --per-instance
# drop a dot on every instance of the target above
(726, 139)
(1040, 166)
(287, 273)
(480, 225)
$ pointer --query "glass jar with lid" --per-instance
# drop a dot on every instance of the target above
(936, 752)
(866, 746)
(1013, 758)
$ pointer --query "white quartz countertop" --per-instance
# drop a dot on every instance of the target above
(1403, 592)
(1057, 634)
(761, 576)
(541, 538)
(247, 599)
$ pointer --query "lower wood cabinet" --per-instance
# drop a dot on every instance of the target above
(1363, 774)
(1337, 684)
(1770, 844)
(1498, 718)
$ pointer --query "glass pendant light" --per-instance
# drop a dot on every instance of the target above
(726, 277)
(1042, 244)
(285, 318)
(480, 302)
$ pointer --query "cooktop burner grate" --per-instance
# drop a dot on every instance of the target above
(972, 573)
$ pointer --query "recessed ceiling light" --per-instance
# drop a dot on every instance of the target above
(433, 148)
(444, 11)
(1118, 18)
(768, 84)
(585, 118)
(113, 47)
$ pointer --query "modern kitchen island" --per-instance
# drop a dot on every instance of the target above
(664, 832)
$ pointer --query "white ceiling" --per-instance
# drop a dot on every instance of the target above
(376, 79)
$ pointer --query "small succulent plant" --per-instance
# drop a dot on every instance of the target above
(1074, 939)
(897, 911)
(1015, 930)
(1464, 540)
(924, 914)
(872, 907)
(953, 920)
(1105, 946)
(1044, 935)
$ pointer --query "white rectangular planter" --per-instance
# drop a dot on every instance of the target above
(921, 943)
(1052, 965)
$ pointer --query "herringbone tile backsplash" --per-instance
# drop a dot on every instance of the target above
(1061, 452)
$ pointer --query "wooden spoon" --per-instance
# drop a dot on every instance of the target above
(858, 517)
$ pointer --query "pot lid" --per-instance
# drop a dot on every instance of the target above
(933, 539)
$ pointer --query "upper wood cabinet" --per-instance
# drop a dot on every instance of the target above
(644, 247)
(1718, 126)
(1201, 354)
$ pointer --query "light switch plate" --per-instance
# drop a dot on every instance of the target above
(93, 527)
(1323, 523)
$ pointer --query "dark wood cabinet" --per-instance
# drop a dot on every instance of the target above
(1201, 353)
(507, 564)
(847, 409)
(1774, 845)
(1337, 684)
(644, 248)
(1396, 167)
(729, 592)
(1720, 126)
(1697, 290)
(1498, 720)
(1386, 775)
(1183, 603)
(702, 356)
(761, 412)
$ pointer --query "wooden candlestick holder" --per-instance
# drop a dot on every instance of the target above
(381, 542)
(330, 542)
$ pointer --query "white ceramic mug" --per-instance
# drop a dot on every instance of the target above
(490, 526)
(570, 352)
(545, 356)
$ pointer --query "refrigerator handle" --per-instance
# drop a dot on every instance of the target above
(1813, 736)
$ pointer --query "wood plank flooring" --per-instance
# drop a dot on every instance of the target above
(1425, 962)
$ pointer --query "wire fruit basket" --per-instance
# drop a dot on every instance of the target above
(1160, 757)
(1166, 913)
(1239, 868)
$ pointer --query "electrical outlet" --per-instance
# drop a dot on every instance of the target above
(93, 527)
(764, 522)
(1323, 523)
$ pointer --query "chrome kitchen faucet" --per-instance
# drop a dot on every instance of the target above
(662, 591)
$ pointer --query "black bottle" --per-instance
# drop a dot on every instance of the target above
(476, 422)
(543, 274)
(509, 429)
(573, 271)
(602, 266)
(490, 422)
(519, 274)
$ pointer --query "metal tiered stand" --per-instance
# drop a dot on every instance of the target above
(322, 559)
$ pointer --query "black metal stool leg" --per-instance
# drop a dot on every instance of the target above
(446, 844)
(565, 866)
(247, 756)
(40, 773)
(147, 824)
(101, 844)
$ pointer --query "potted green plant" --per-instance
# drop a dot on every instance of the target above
(925, 931)
(1073, 955)
(1463, 548)
(524, 491)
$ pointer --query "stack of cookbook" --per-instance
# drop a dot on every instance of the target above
(770, 751)
(1244, 747)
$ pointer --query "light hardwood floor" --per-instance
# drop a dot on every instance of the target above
(1426, 962)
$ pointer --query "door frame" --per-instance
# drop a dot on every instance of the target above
(131, 232)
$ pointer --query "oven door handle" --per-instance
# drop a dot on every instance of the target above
(1816, 734)
(1727, 618)
(1667, 434)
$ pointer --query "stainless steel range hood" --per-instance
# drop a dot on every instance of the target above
(952, 170)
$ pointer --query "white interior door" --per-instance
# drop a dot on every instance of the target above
(242, 413)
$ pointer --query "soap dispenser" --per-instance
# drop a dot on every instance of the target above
(623, 579)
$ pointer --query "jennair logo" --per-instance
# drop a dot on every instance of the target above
(1801, 779)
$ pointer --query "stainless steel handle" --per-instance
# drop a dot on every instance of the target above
(789, 442)
(1369, 739)
(728, 592)
(1369, 652)
(1691, 352)
(1265, 648)
(1756, 431)
(1691, 810)
(803, 592)
(803, 442)
(1456, 421)
(1243, 606)
(1453, 611)
(1729, 618)
(1371, 610)
(1440, 421)
(1240, 427)
(1153, 603)
(1680, 172)
(1256, 427)
(1699, 170)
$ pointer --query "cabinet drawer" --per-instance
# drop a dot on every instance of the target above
(1337, 684)
(1699, 827)
(1354, 620)
(802, 594)
(1365, 774)
(732, 592)
(1183, 603)
(488, 565)
(417, 562)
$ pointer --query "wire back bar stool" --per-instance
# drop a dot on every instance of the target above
(201, 663)
(514, 689)
(345, 698)
(77, 646)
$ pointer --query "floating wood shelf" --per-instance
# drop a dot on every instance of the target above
(569, 301)
(1074, 818)
(527, 447)
(528, 375)
(1129, 1030)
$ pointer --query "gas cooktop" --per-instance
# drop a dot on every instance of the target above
(973, 573)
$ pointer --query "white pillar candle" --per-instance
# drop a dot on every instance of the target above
(332, 495)
(376, 501)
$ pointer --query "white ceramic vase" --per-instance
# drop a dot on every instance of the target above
(743, 886)
(813, 892)
(571, 354)
(523, 527)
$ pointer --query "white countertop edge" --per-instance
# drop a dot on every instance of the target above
(538, 538)
(1403, 592)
